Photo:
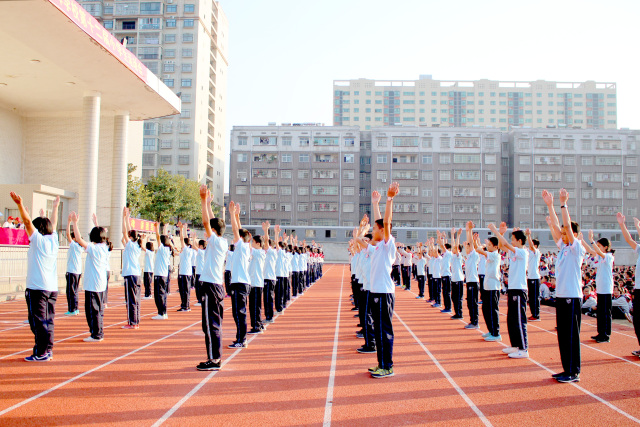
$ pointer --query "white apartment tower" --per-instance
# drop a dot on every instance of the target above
(184, 42)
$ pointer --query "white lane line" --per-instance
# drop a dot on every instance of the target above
(79, 335)
(334, 357)
(585, 391)
(206, 379)
(70, 380)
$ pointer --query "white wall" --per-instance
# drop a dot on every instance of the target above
(11, 143)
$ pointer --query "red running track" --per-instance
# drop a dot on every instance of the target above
(305, 370)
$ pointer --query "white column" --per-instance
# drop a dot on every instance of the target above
(118, 176)
(89, 162)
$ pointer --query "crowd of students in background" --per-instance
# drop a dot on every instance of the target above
(263, 275)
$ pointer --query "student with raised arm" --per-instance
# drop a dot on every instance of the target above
(240, 278)
(457, 276)
(74, 272)
(492, 285)
(421, 266)
(95, 280)
(603, 254)
(131, 270)
(269, 277)
(533, 277)
(471, 273)
(362, 238)
(42, 278)
(212, 283)
(436, 262)
(445, 272)
(517, 291)
(161, 273)
(200, 253)
(382, 295)
(636, 289)
(280, 271)
(568, 286)
(185, 269)
(259, 246)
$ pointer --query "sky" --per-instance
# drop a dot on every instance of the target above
(285, 54)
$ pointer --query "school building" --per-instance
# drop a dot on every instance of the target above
(72, 102)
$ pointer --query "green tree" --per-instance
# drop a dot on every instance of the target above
(137, 195)
(189, 207)
(164, 196)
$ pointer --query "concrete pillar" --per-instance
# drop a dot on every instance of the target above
(118, 176)
(89, 161)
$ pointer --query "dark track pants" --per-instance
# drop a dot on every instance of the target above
(437, 283)
(517, 318)
(255, 307)
(132, 297)
(184, 287)
(73, 280)
(41, 307)
(568, 321)
(160, 294)
(268, 294)
(94, 311)
(148, 280)
(365, 319)
(534, 296)
(491, 311)
(603, 314)
(212, 311)
(456, 297)
(239, 296)
(446, 292)
(421, 285)
(472, 302)
(279, 294)
(406, 278)
(382, 314)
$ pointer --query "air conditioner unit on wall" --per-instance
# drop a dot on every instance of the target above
(626, 184)
(243, 213)
(589, 184)
(384, 180)
(243, 179)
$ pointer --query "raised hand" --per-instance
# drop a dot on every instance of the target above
(503, 227)
(203, 192)
(393, 190)
(41, 213)
(547, 197)
(375, 197)
(636, 222)
(621, 218)
(94, 218)
(73, 217)
(527, 232)
(549, 221)
(591, 235)
(265, 226)
(210, 198)
(564, 196)
(16, 198)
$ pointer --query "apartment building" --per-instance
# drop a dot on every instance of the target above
(501, 104)
(296, 175)
(183, 42)
(599, 168)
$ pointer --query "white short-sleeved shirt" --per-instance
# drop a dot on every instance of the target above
(420, 266)
(569, 270)
(604, 274)
(492, 272)
(240, 262)
(256, 267)
(435, 267)
(518, 269)
(280, 267)
(95, 268)
(445, 264)
(296, 265)
(194, 258)
(456, 268)
(228, 261)
(471, 267)
(214, 255)
(352, 262)
(383, 255)
(161, 266)
(186, 264)
(149, 258)
(42, 262)
(270, 264)
(288, 258)
(200, 253)
(74, 258)
(366, 267)
(131, 259)
(482, 264)
(533, 267)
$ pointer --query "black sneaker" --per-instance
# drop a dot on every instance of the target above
(560, 374)
(183, 309)
(456, 317)
(354, 308)
(602, 339)
(208, 366)
(359, 335)
(365, 349)
(595, 337)
(255, 331)
(238, 345)
(569, 378)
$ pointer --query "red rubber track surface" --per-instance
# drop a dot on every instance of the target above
(444, 374)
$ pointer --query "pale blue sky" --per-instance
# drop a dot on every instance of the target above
(285, 54)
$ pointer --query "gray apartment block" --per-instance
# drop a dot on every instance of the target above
(296, 175)
(599, 168)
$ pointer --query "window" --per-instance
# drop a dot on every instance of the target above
(631, 161)
(171, 8)
(187, 37)
(547, 176)
(303, 174)
(326, 141)
(444, 209)
(489, 176)
(169, 53)
(149, 144)
(608, 161)
(303, 207)
(427, 175)
(187, 53)
(285, 174)
(404, 174)
(444, 175)
(242, 140)
(445, 159)
(525, 160)
(149, 23)
(165, 160)
(490, 159)
(183, 160)
(264, 189)
(242, 157)
(185, 83)
(490, 209)
(489, 192)
(466, 158)
(427, 159)
(184, 145)
(286, 141)
(148, 160)
(166, 143)
(587, 161)
(569, 160)
(264, 173)
(154, 8)
(189, 8)
(444, 192)
(329, 190)
(303, 191)
(241, 189)
(349, 158)
(525, 210)
(348, 207)
(303, 158)
(303, 141)
(187, 23)
(286, 158)
(168, 68)
(129, 25)
(285, 190)
(382, 158)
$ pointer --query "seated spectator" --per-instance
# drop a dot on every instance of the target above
(546, 298)
(620, 305)
(588, 301)
(8, 223)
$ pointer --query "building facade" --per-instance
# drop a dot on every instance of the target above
(183, 42)
(500, 104)
(309, 175)
(599, 168)
(296, 175)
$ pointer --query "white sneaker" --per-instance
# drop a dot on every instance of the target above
(147, 297)
(91, 339)
(520, 354)
(197, 304)
(166, 316)
(486, 334)
(509, 350)
(158, 317)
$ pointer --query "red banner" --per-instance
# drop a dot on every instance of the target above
(96, 31)
(142, 225)
(10, 236)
